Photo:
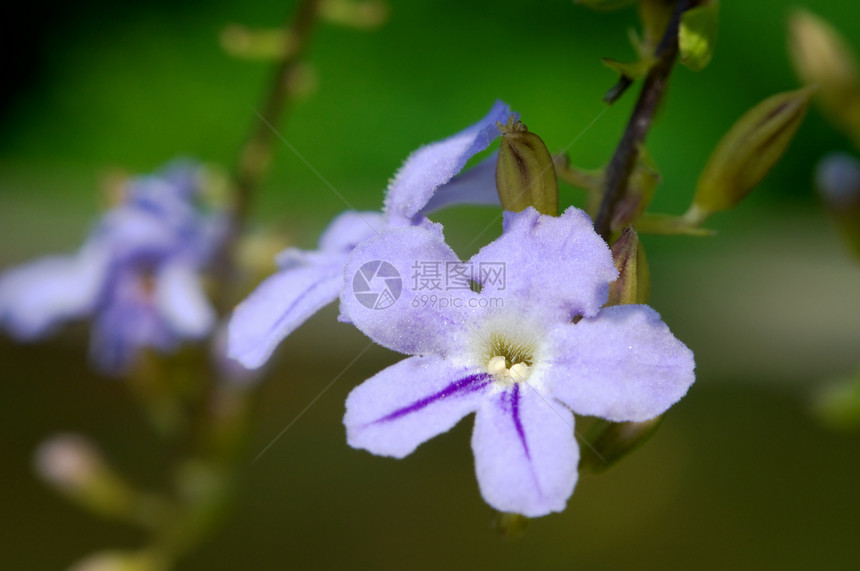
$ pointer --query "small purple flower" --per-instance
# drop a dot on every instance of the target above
(520, 363)
(308, 281)
(137, 275)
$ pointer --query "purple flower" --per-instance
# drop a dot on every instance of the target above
(308, 281)
(511, 353)
(137, 275)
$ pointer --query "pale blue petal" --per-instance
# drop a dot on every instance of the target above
(622, 365)
(278, 307)
(349, 229)
(475, 186)
(525, 453)
(180, 299)
(556, 266)
(390, 293)
(410, 402)
(437, 163)
(37, 297)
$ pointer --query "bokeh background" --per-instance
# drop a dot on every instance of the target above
(742, 474)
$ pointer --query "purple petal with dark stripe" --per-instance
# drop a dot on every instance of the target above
(410, 402)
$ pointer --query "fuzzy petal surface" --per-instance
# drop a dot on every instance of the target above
(435, 164)
(278, 306)
(383, 292)
(525, 453)
(410, 402)
(622, 365)
(557, 266)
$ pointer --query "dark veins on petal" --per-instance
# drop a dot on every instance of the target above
(465, 385)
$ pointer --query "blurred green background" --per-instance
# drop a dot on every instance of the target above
(741, 474)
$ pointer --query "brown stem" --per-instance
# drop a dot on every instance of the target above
(624, 159)
(255, 155)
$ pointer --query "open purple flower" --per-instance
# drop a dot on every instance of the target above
(137, 275)
(307, 281)
(510, 353)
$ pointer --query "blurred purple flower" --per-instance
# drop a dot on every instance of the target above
(519, 362)
(307, 281)
(137, 275)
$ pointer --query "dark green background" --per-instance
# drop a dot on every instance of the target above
(741, 475)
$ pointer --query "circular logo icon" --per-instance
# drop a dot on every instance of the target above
(377, 285)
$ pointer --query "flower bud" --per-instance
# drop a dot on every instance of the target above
(747, 152)
(608, 442)
(821, 57)
(76, 468)
(838, 180)
(697, 35)
(633, 283)
(122, 561)
(525, 174)
(363, 15)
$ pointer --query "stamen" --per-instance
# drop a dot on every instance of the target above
(519, 372)
(496, 366)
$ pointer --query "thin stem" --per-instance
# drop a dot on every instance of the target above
(255, 156)
(622, 163)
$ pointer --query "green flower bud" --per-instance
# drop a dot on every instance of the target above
(363, 15)
(608, 442)
(821, 57)
(747, 152)
(633, 284)
(697, 35)
(525, 174)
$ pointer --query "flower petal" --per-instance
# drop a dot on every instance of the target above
(35, 297)
(349, 229)
(624, 364)
(437, 163)
(392, 295)
(278, 306)
(408, 403)
(557, 265)
(181, 301)
(475, 186)
(525, 453)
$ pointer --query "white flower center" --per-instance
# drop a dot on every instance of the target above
(517, 373)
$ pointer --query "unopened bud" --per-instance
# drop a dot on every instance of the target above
(366, 14)
(697, 35)
(245, 43)
(75, 467)
(633, 284)
(525, 174)
(608, 442)
(122, 561)
(747, 152)
(821, 57)
(838, 180)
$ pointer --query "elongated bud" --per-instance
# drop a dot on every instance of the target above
(608, 442)
(747, 152)
(697, 35)
(74, 466)
(838, 180)
(267, 45)
(360, 14)
(525, 174)
(822, 57)
(633, 284)
(122, 561)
